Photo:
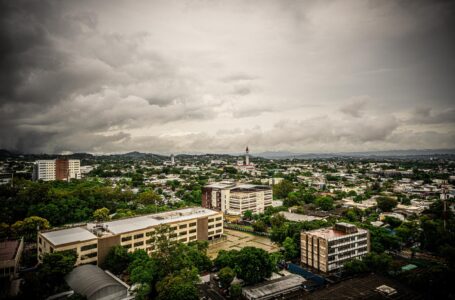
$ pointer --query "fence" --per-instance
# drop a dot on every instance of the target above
(241, 228)
(296, 269)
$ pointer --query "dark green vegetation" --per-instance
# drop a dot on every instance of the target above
(426, 235)
(48, 279)
(249, 264)
(62, 203)
(171, 272)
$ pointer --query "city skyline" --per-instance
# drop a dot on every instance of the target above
(213, 77)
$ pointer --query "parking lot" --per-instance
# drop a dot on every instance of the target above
(238, 240)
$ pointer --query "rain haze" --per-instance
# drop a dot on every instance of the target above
(215, 76)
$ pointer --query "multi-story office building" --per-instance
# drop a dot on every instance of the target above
(44, 170)
(327, 249)
(236, 199)
(93, 241)
(58, 169)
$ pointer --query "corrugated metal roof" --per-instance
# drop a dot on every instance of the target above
(87, 280)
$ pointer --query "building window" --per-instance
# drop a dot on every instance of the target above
(126, 238)
(137, 244)
(182, 226)
(219, 218)
(192, 237)
(193, 224)
(88, 247)
(128, 246)
(139, 236)
(90, 255)
(193, 230)
(40, 240)
(150, 233)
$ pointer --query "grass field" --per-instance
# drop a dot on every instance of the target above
(238, 240)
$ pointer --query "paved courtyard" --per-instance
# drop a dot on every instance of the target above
(238, 239)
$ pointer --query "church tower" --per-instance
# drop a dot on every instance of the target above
(247, 156)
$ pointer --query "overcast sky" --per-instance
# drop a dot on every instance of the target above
(215, 76)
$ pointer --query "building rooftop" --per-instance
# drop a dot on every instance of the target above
(142, 222)
(251, 187)
(220, 185)
(275, 286)
(298, 217)
(331, 233)
(93, 283)
(68, 235)
(82, 233)
(8, 249)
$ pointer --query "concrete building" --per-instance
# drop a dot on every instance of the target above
(236, 199)
(10, 256)
(93, 240)
(327, 249)
(44, 170)
(57, 169)
(274, 289)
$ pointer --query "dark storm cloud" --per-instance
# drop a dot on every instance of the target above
(287, 75)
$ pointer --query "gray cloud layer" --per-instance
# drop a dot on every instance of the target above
(185, 76)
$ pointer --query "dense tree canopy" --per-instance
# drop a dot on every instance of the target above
(386, 203)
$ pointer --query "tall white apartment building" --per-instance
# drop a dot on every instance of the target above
(74, 168)
(236, 199)
(57, 169)
(327, 249)
(93, 241)
(44, 170)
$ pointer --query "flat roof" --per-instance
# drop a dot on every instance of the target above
(142, 222)
(8, 249)
(220, 185)
(272, 287)
(82, 233)
(298, 217)
(68, 235)
(330, 233)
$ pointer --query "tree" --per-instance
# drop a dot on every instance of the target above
(325, 203)
(253, 265)
(277, 220)
(181, 285)
(28, 228)
(5, 231)
(247, 214)
(117, 260)
(386, 203)
(282, 189)
(392, 221)
(57, 265)
(259, 226)
(101, 214)
(290, 249)
(235, 291)
(226, 258)
(226, 276)
(149, 197)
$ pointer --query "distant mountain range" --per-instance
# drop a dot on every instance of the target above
(366, 154)
(268, 155)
